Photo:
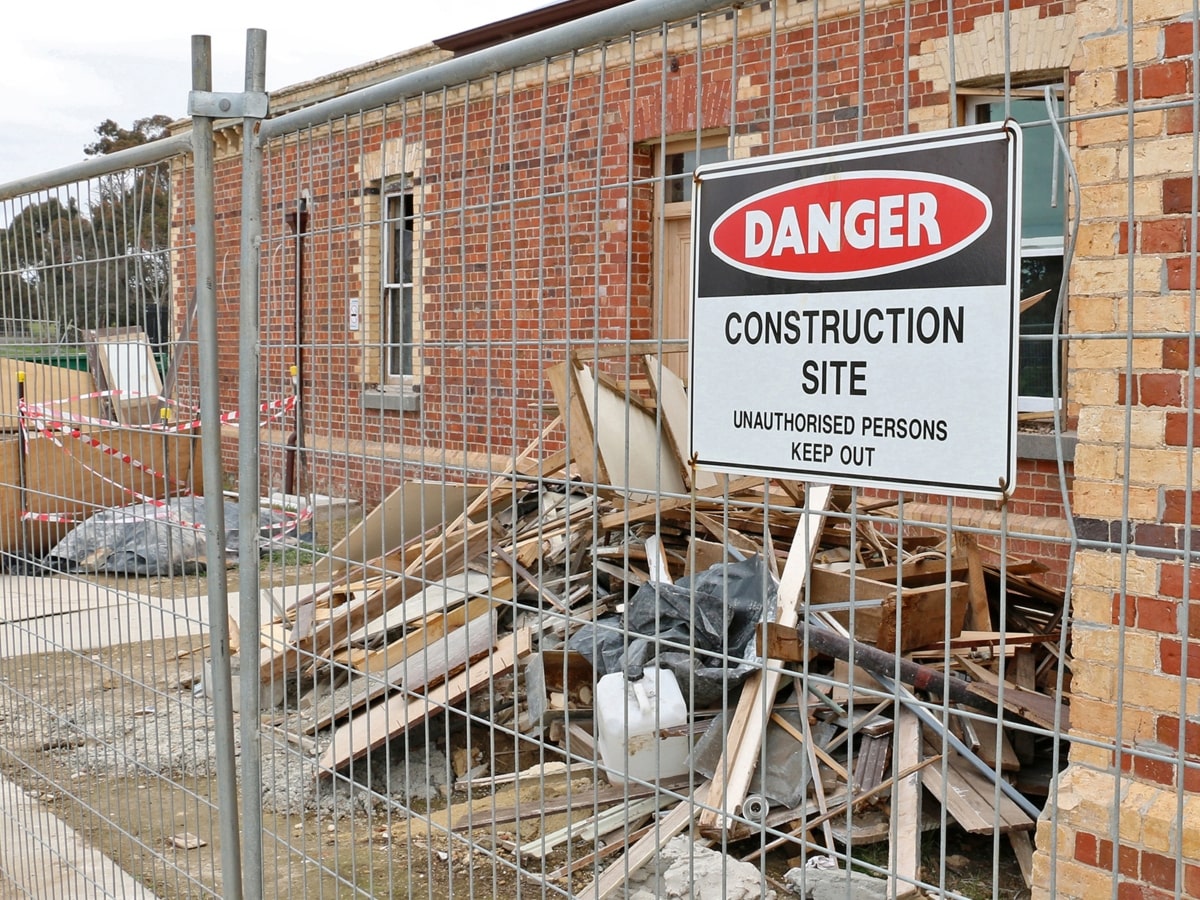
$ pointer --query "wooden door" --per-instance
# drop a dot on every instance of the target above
(673, 314)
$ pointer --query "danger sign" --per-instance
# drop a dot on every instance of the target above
(854, 313)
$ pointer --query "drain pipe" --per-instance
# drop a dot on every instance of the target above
(297, 221)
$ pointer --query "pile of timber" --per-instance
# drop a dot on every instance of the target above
(896, 667)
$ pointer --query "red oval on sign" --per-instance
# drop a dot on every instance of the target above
(851, 225)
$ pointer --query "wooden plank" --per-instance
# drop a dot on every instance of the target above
(552, 806)
(332, 633)
(644, 511)
(985, 734)
(633, 456)
(581, 435)
(394, 717)
(979, 611)
(593, 827)
(917, 573)
(1032, 705)
(78, 479)
(622, 349)
(499, 492)
(935, 515)
(646, 848)
(607, 850)
(1022, 845)
(991, 640)
(736, 766)
(904, 851)
(830, 586)
(45, 384)
(435, 599)
(818, 785)
(429, 663)
(672, 399)
(970, 798)
(722, 531)
(918, 616)
(525, 575)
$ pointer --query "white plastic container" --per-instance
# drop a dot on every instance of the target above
(632, 747)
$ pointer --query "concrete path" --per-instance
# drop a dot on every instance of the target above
(42, 857)
(39, 615)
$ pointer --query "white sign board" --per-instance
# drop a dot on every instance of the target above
(854, 313)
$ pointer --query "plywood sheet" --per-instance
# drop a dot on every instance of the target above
(78, 478)
(409, 510)
(44, 384)
(635, 457)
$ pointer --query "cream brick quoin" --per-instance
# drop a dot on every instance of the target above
(1119, 819)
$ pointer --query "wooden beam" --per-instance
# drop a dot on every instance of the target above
(979, 611)
(934, 515)
(904, 851)
(731, 778)
(918, 618)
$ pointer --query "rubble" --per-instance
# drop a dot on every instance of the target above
(784, 611)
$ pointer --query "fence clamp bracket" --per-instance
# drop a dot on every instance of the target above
(217, 105)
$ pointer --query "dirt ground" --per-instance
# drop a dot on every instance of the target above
(115, 747)
(119, 744)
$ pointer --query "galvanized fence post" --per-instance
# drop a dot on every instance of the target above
(210, 426)
(248, 465)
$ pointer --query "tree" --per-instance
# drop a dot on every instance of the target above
(94, 254)
(40, 252)
(113, 137)
(132, 222)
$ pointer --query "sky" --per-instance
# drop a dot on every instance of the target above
(68, 65)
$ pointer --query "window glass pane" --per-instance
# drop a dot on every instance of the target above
(406, 252)
(680, 167)
(1042, 208)
(395, 332)
(1036, 372)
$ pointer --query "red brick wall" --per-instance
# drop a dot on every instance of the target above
(539, 209)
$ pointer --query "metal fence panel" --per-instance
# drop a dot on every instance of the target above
(471, 344)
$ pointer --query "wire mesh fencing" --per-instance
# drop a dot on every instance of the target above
(510, 636)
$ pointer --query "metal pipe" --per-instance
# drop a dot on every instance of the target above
(214, 501)
(131, 158)
(608, 24)
(930, 721)
(249, 489)
(298, 222)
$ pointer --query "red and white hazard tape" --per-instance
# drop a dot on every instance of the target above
(272, 409)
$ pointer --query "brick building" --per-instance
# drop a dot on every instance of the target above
(425, 262)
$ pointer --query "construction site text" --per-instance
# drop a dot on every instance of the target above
(893, 325)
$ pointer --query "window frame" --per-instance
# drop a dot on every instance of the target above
(401, 290)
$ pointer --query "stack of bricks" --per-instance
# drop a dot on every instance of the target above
(1126, 815)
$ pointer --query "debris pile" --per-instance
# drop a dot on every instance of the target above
(839, 669)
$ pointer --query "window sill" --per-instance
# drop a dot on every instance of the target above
(1042, 445)
(391, 399)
